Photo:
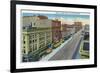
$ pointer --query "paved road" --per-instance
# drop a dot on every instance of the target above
(68, 50)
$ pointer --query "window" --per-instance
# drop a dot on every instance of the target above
(86, 46)
(30, 41)
(24, 42)
(24, 51)
(33, 35)
(24, 47)
(30, 37)
(33, 41)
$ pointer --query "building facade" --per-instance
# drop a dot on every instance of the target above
(85, 45)
(78, 26)
(56, 33)
(36, 36)
(64, 30)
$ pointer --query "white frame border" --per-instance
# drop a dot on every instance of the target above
(20, 65)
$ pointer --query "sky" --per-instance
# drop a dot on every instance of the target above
(65, 17)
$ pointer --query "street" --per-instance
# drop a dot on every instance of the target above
(68, 50)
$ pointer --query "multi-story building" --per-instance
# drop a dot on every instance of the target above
(70, 29)
(78, 26)
(85, 49)
(56, 33)
(36, 36)
(86, 27)
(64, 31)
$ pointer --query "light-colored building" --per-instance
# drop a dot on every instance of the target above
(85, 49)
(86, 27)
(36, 34)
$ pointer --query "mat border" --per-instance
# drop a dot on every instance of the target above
(13, 36)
